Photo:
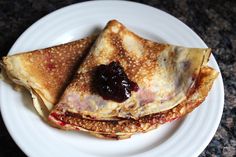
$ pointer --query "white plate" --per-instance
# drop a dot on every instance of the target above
(185, 138)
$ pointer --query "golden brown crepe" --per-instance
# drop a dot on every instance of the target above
(172, 80)
(46, 72)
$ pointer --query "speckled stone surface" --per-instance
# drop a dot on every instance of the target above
(213, 20)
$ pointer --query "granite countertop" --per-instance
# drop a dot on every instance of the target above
(213, 20)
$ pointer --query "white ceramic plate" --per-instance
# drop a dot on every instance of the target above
(185, 138)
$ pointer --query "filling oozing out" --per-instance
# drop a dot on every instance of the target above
(111, 82)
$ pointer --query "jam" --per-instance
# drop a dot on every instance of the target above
(111, 82)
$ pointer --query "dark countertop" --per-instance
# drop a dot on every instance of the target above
(213, 20)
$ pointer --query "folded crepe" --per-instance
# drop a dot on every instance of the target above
(46, 72)
(171, 80)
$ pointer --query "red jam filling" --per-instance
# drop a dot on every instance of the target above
(111, 82)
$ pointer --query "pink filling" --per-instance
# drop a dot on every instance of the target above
(145, 96)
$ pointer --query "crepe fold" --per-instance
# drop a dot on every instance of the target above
(173, 81)
(46, 72)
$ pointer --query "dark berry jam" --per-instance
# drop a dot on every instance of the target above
(111, 82)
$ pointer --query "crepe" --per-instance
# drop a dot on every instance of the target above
(176, 77)
(163, 72)
(46, 72)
